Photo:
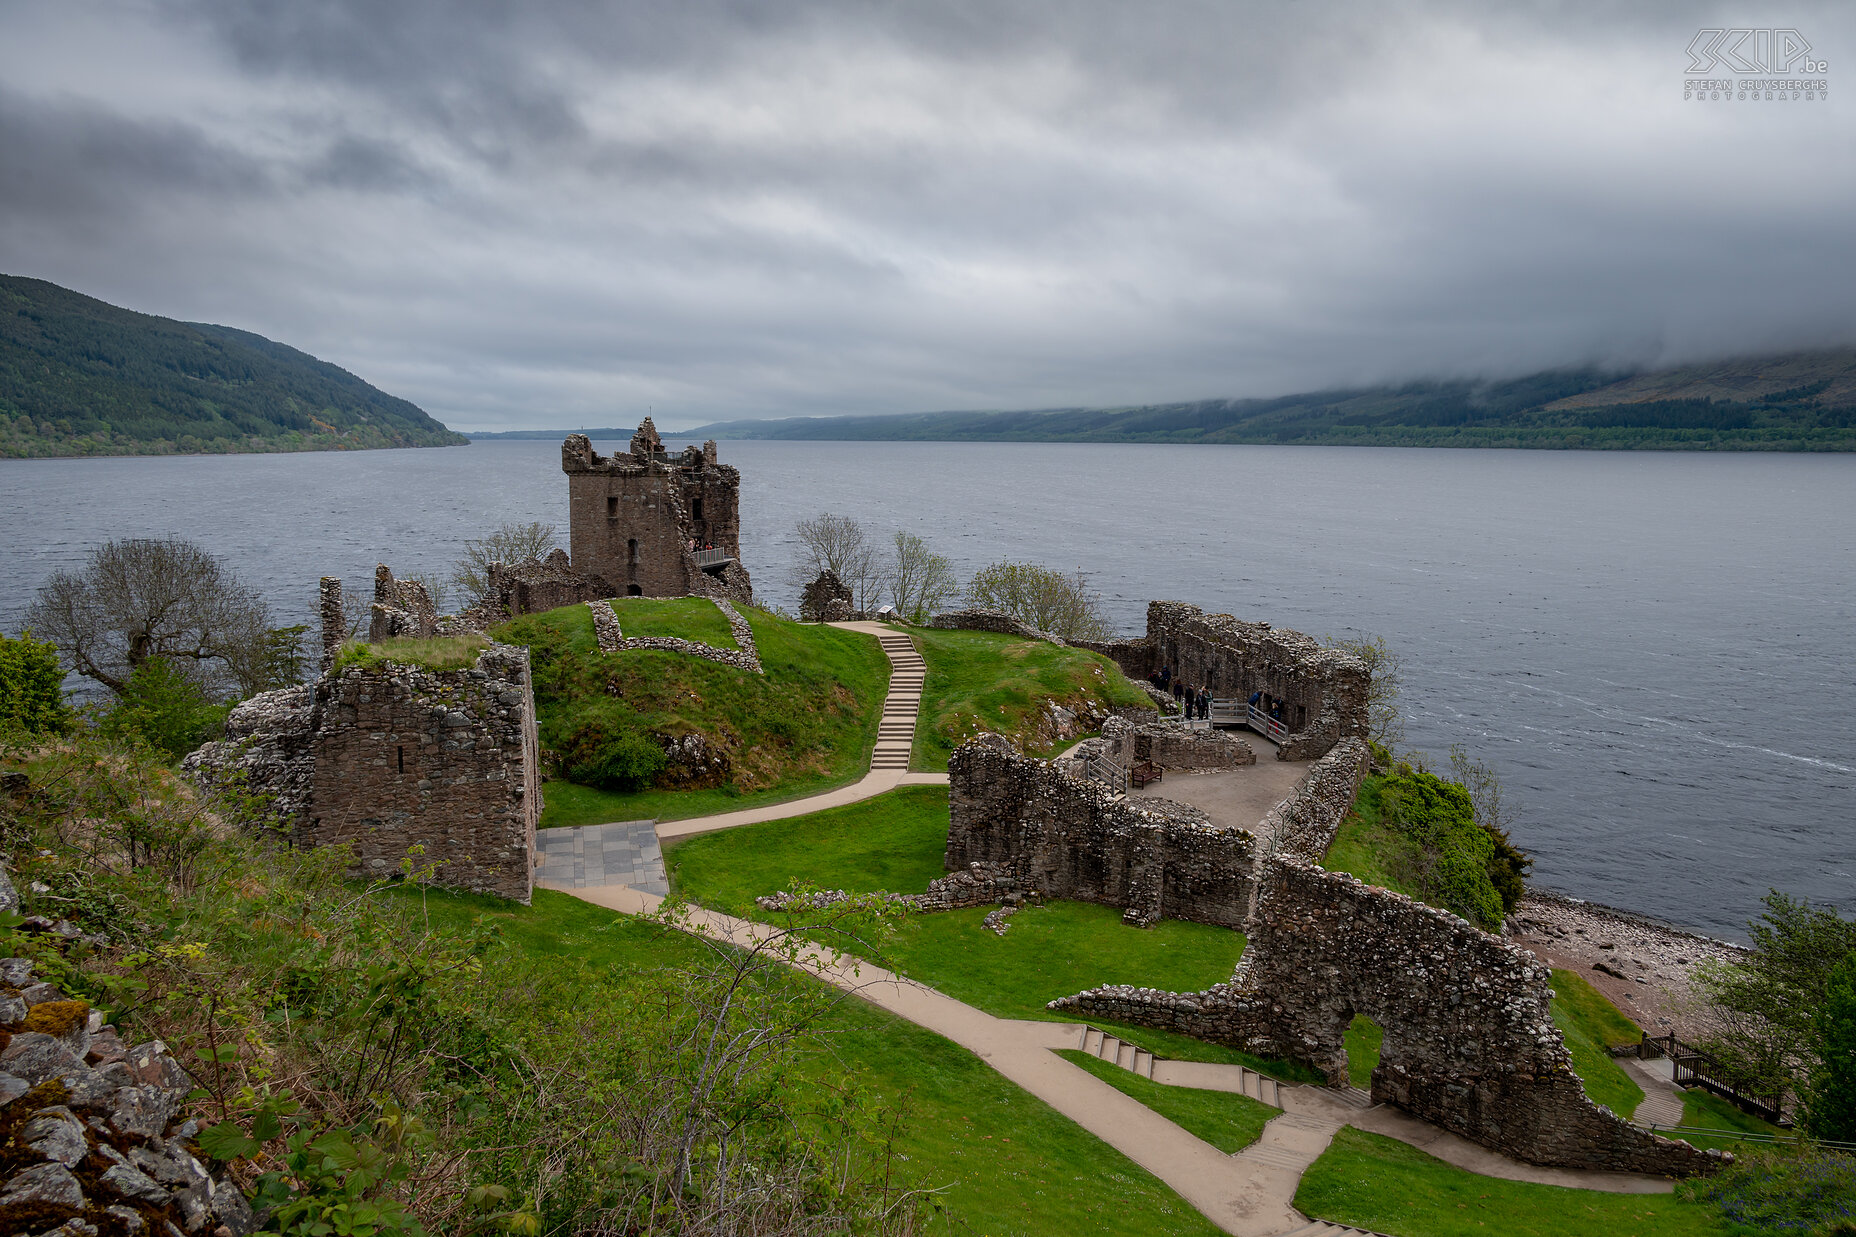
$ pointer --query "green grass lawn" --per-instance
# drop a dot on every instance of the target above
(1010, 1163)
(1378, 1183)
(1363, 1039)
(686, 618)
(1707, 1111)
(1589, 1024)
(981, 680)
(803, 727)
(1228, 1122)
(895, 842)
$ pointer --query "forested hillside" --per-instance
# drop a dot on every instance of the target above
(81, 377)
(1799, 402)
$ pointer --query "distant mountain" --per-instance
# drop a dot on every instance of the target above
(82, 377)
(1797, 402)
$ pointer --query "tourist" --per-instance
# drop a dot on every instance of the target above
(1205, 704)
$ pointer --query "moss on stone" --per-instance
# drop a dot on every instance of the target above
(56, 1018)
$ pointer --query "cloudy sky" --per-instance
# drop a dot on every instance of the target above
(530, 214)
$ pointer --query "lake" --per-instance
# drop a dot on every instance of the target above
(1652, 648)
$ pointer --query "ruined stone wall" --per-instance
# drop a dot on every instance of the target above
(1324, 689)
(1304, 823)
(537, 585)
(1469, 1043)
(268, 750)
(442, 759)
(990, 620)
(632, 517)
(401, 608)
(1063, 838)
(1174, 747)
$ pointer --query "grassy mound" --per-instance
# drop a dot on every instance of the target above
(1228, 1122)
(980, 680)
(685, 618)
(806, 725)
(1703, 1110)
(895, 842)
(436, 653)
(1380, 1184)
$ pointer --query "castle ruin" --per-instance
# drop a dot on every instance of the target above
(655, 524)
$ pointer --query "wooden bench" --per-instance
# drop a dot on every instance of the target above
(1143, 773)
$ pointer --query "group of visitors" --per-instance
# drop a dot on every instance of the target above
(707, 545)
(1194, 702)
(1268, 705)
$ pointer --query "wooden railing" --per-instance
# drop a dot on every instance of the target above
(1107, 774)
(1695, 1068)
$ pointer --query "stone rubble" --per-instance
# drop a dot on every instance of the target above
(612, 639)
(95, 1125)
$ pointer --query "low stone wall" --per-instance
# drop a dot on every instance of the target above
(612, 638)
(1469, 1045)
(990, 620)
(1064, 838)
(826, 599)
(445, 760)
(1323, 689)
(1174, 747)
(96, 1146)
(1304, 824)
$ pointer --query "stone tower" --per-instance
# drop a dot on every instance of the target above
(633, 518)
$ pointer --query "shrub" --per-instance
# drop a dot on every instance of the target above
(165, 708)
(1456, 855)
(1830, 1106)
(31, 687)
(610, 756)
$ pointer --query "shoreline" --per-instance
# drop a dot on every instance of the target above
(1650, 966)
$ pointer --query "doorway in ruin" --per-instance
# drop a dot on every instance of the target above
(1363, 1040)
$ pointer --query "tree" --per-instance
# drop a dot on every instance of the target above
(1768, 1003)
(1048, 600)
(163, 707)
(31, 687)
(1385, 726)
(1830, 1108)
(838, 544)
(919, 579)
(510, 544)
(142, 598)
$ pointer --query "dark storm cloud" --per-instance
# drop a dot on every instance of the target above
(550, 213)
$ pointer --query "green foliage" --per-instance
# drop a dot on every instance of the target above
(1377, 1183)
(1454, 857)
(438, 653)
(806, 724)
(1830, 1108)
(1386, 725)
(1064, 606)
(1780, 1191)
(281, 660)
(1588, 1023)
(164, 707)
(920, 580)
(80, 377)
(31, 687)
(1228, 1122)
(1768, 1002)
(985, 681)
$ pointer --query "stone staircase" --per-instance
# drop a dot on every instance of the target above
(1120, 1052)
(895, 733)
(1316, 1228)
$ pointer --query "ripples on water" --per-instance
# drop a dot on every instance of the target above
(1654, 649)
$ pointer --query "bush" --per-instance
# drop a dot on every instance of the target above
(610, 756)
(31, 687)
(1830, 1107)
(1456, 855)
(164, 708)
(1064, 606)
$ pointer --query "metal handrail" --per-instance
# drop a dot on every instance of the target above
(1267, 726)
(709, 558)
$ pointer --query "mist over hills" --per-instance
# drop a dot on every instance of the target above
(1803, 401)
(79, 376)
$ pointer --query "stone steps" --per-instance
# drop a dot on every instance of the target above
(895, 730)
(1120, 1052)
(1317, 1228)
